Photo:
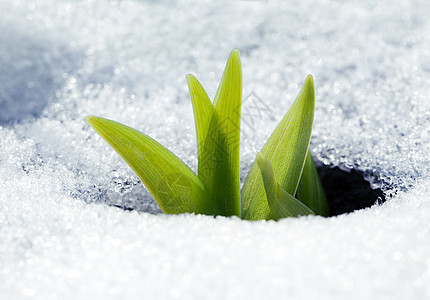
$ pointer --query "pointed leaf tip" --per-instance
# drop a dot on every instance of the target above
(233, 62)
(190, 78)
(92, 121)
(309, 79)
(308, 86)
(235, 53)
(89, 119)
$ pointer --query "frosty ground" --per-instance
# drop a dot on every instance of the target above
(60, 232)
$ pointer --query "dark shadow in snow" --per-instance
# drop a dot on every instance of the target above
(347, 191)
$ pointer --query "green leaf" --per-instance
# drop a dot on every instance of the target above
(286, 150)
(219, 158)
(174, 186)
(203, 111)
(281, 203)
(310, 190)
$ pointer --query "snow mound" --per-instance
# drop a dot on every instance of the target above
(63, 60)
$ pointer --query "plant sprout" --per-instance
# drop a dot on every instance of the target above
(283, 181)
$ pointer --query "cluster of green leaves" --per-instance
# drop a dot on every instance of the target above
(283, 181)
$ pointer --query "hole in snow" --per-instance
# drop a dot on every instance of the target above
(347, 191)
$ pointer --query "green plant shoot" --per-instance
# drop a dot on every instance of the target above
(218, 135)
(286, 150)
(282, 170)
(281, 203)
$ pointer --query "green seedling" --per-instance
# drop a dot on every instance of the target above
(283, 181)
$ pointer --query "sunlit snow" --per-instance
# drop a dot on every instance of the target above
(61, 235)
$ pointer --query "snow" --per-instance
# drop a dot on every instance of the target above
(60, 234)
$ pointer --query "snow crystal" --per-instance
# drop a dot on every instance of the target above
(60, 234)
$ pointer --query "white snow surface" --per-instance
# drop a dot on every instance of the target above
(62, 237)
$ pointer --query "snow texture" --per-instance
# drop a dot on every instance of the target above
(61, 235)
